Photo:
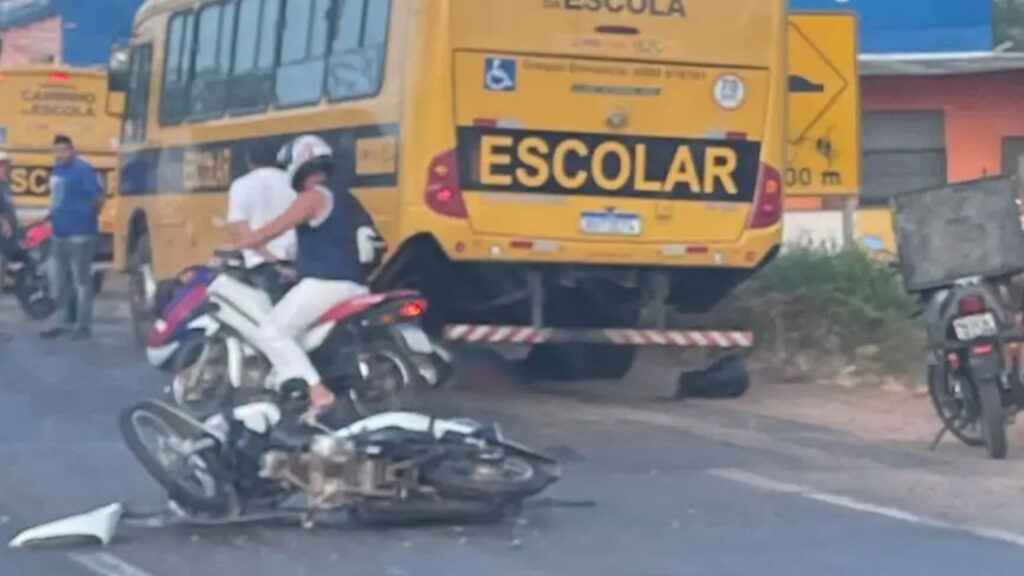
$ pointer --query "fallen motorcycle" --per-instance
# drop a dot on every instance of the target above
(369, 348)
(399, 465)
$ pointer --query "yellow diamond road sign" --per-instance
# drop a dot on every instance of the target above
(824, 105)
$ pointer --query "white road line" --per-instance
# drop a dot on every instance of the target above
(996, 534)
(755, 481)
(769, 485)
(861, 506)
(106, 564)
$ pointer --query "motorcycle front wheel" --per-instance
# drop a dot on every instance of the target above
(32, 289)
(165, 443)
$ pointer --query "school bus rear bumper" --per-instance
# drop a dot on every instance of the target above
(748, 252)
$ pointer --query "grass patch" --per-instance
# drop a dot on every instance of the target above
(826, 309)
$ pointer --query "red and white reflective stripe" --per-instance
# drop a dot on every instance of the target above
(496, 334)
(488, 334)
(690, 338)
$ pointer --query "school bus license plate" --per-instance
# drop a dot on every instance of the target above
(610, 224)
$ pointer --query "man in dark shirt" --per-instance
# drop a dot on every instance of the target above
(76, 198)
(8, 216)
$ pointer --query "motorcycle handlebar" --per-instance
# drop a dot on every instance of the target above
(227, 254)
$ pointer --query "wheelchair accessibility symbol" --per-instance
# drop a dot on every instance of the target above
(500, 75)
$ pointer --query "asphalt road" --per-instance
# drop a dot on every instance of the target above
(680, 489)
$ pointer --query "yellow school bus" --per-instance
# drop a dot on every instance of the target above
(551, 173)
(38, 102)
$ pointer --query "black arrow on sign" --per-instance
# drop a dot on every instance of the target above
(802, 85)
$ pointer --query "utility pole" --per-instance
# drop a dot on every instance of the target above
(849, 222)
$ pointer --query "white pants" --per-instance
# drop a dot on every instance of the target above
(300, 308)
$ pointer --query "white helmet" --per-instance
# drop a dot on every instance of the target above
(303, 156)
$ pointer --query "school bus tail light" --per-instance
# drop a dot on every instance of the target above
(443, 193)
(767, 209)
(60, 76)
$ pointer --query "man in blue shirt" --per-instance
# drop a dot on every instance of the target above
(8, 216)
(76, 197)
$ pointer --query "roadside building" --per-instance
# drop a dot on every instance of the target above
(940, 98)
(73, 32)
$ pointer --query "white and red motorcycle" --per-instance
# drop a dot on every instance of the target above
(369, 349)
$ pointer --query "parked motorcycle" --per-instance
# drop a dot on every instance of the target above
(974, 390)
(959, 246)
(395, 465)
(31, 277)
(28, 264)
(369, 349)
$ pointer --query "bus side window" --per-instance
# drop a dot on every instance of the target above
(214, 34)
(177, 69)
(355, 68)
(252, 72)
(303, 53)
(137, 106)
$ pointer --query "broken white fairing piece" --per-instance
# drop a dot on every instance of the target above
(99, 524)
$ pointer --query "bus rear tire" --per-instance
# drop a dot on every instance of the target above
(140, 287)
(580, 362)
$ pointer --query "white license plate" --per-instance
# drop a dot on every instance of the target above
(416, 339)
(975, 326)
(610, 224)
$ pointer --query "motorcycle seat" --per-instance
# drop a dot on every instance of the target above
(359, 304)
(291, 437)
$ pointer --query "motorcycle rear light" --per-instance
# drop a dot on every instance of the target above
(982, 349)
(971, 304)
(413, 309)
(443, 193)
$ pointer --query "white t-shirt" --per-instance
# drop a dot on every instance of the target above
(257, 198)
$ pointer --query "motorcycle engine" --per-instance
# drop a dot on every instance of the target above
(333, 472)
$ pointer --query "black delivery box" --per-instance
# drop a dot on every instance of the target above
(956, 231)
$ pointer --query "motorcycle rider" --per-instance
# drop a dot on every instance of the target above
(255, 199)
(335, 239)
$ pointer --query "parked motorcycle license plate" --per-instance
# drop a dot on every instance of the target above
(415, 338)
(975, 326)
